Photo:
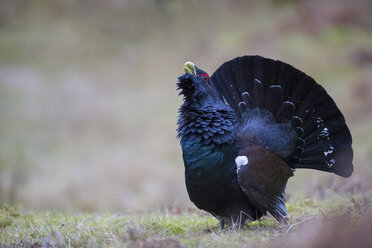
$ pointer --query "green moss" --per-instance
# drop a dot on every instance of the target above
(5, 221)
(7, 215)
(175, 225)
(272, 223)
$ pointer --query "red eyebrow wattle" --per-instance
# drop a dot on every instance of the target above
(205, 75)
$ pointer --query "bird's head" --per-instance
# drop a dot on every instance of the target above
(196, 86)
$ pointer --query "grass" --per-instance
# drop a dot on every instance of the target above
(173, 227)
(88, 90)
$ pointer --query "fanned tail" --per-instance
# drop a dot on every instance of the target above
(322, 141)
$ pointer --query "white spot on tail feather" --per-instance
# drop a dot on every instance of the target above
(239, 161)
(324, 133)
(319, 122)
(329, 151)
(330, 163)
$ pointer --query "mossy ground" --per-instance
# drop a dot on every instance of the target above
(173, 227)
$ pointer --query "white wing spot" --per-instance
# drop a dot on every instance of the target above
(239, 161)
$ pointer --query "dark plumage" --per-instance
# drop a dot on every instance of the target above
(244, 131)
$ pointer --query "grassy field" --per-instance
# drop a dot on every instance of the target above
(334, 222)
(88, 106)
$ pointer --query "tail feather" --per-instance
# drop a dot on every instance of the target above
(247, 98)
(296, 121)
(323, 139)
(285, 111)
(274, 98)
(229, 95)
(258, 94)
(325, 149)
(332, 133)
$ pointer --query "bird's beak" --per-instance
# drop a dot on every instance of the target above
(189, 68)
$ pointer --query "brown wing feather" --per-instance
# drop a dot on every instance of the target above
(264, 179)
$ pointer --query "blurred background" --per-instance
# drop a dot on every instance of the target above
(88, 100)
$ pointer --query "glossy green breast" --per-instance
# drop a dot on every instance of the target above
(208, 164)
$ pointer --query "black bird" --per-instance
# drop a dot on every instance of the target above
(245, 129)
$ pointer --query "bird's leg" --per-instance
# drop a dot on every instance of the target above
(222, 224)
(243, 219)
(286, 220)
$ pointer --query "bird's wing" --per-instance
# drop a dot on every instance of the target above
(263, 177)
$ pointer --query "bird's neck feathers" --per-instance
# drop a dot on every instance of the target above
(206, 122)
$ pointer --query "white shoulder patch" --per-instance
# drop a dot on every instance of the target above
(239, 161)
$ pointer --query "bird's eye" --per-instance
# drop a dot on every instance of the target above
(205, 77)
